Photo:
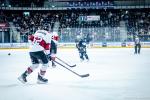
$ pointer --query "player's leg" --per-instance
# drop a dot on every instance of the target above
(53, 64)
(29, 70)
(135, 49)
(43, 69)
(81, 56)
(53, 50)
(86, 56)
(139, 48)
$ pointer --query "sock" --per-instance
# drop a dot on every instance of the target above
(42, 73)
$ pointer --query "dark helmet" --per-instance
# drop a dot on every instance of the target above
(43, 27)
(46, 28)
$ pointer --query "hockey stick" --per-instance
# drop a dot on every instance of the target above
(66, 63)
(82, 76)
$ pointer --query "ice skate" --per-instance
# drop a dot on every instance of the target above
(53, 65)
(81, 60)
(41, 80)
(87, 60)
(22, 78)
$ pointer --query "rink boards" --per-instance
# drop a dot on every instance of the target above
(73, 45)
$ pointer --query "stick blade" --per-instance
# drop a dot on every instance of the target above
(85, 75)
(73, 65)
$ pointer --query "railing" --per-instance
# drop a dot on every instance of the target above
(101, 34)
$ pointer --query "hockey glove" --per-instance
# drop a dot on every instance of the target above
(53, 56)
(49, 57)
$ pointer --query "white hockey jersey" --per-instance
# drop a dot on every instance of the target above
(40, 41)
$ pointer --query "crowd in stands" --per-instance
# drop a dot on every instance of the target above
(107, 28)
(40, 3)
(3, 18)
(21, 3)
(92, 3)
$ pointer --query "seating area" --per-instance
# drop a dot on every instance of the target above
(107, 26)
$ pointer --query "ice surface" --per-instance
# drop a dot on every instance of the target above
(115, 74)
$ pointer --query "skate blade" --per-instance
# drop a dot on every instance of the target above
(40, 82)
(21, 80)
(53, 66)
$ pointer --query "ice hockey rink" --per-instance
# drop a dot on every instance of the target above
(115, 74)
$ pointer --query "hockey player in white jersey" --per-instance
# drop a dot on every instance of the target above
(39, 51)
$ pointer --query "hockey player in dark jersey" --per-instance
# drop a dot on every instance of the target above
(137, 46)
(81, 46)
(53, 49)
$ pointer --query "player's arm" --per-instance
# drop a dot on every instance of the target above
(31, 38)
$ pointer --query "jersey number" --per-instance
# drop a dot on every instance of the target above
(37, 40)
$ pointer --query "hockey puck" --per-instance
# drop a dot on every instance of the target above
(9, 54)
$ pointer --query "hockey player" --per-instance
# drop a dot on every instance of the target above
(137, 46)
(81, 46)
(39, 52)
(53, 50)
